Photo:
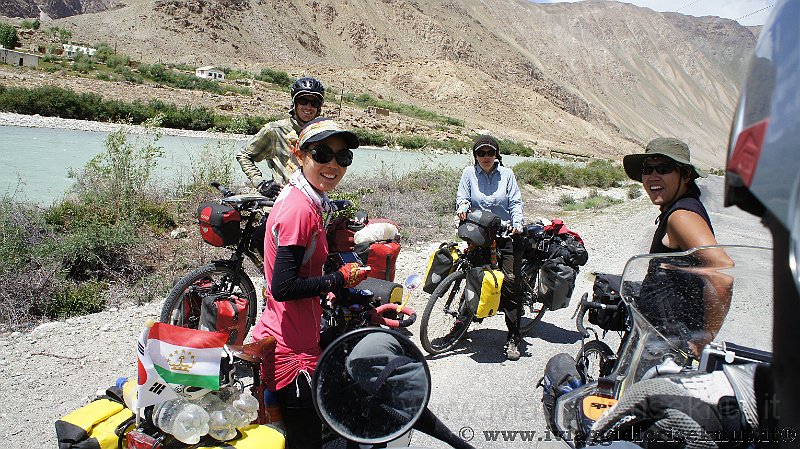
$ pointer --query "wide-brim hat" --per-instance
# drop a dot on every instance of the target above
(321, 128)
(668, 147)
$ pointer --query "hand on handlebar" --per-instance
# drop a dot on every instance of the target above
(353, 274)
(270, 188)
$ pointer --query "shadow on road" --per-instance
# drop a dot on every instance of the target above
(554, 334)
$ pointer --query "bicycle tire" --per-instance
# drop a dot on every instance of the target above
(441, 326)
(532, 308)
(593, 360)
(219, 275)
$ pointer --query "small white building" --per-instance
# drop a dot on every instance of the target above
(71, 50)
(209, 72)
(18, 58)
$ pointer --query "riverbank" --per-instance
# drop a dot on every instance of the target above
(38, 121)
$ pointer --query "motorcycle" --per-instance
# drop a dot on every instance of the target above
(684, 311)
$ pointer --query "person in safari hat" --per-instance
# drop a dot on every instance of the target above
(666, 171)
(668, 176)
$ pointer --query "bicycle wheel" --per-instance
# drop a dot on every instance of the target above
(532, 308)
(182, 304)
(446, 317)
(595, 360)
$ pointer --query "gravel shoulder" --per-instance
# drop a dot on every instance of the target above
(60, 366)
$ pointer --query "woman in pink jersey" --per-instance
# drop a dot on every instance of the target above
(295, 249)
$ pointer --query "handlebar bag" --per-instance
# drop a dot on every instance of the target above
(557, 284)
(225, 312)
(606, 291)
(219, 224)
(440, 265)
(483, 291)
(381, 257)
(384, 291)
(479, 228)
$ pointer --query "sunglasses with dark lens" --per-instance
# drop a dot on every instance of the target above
(323, 154)
(305, 101)
(661, 169)
(481, 153)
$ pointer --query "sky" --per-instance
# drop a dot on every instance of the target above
(729, 9)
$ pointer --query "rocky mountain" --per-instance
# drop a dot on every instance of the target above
(594, 77)
(53, 9)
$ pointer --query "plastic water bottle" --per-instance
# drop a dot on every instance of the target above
(128, 392)
(186, 421)
(222, 417)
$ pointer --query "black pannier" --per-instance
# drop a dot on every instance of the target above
(606, 291)
(219, 224)
(557, 281)
(479, 228)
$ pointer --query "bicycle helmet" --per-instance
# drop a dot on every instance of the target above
(308, 86)
(763, 177)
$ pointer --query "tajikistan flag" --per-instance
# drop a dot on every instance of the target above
(177, 355)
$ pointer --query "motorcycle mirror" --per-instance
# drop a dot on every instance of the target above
(371, 385)
(412, 282)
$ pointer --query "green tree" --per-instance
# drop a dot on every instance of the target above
(8, 36)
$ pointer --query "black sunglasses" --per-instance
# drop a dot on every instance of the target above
(323, 154)
(661, 169)
(305, 101)
(481, 153)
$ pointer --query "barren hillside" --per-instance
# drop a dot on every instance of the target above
(593, 77)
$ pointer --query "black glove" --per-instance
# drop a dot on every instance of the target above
(270, 188)
(697, 410)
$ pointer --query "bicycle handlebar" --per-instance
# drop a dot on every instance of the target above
(585, 306)
(376, 316)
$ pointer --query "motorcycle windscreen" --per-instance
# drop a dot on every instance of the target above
(679, 302)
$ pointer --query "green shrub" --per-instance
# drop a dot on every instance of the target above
(367, 100)
(566, 200)
(213, 164)
(634, 191)
(282, 79)
(94, 251)
(54, 101)
(30, 24)
(593, 201)
(21, 226)
(601, 174)
(76, 300)
(8, 36)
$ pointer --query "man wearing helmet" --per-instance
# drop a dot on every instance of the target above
(273, 141)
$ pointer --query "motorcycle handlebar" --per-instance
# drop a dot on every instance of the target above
(378, 318)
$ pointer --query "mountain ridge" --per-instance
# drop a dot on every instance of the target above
(592, 77)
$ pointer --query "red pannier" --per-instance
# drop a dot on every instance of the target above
(227, 313)
(219, 224)
(381, 256)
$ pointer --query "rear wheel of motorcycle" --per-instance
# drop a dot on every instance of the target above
(532, 308)
(446, 317)
(594, 360)
(180, 309)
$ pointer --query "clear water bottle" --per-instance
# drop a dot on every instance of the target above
(184, 420)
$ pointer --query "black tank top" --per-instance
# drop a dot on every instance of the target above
(690, 202)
